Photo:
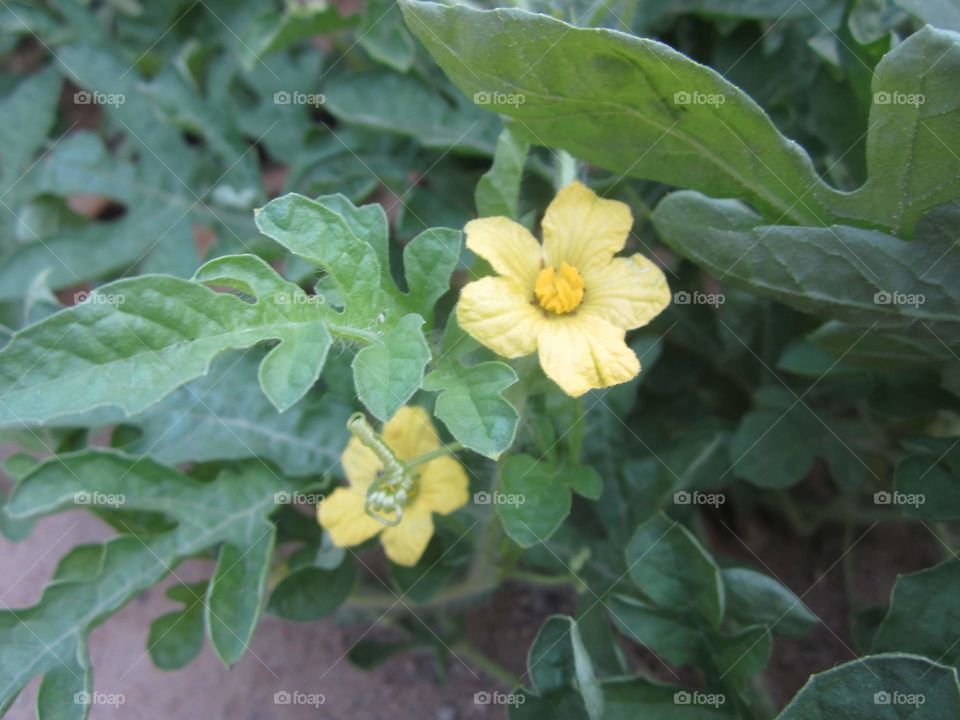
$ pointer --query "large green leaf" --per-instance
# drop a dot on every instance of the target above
(618, 101)
(95, 581)
(858, 276)
(637, 107)
(134, 341)
(225, 416)
(879, 687)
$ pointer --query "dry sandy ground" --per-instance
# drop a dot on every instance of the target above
(285, 656)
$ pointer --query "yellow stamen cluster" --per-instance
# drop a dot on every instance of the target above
(559, 291)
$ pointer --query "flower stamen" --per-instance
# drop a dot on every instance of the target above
(559, 291)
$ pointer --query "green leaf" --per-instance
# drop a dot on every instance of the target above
(532, 501)
(390, 370)
(858, 276)
(350, 245)
(635, 106)
(498, 192)
(273, 30)
(428, 262)
(879, 687)
(924, 617)
(27, 114)
(617, 101)
(753, 597)
(231, 511)
(134, 341)
(670, 636)
(557, 662)
(669, 565)
(384, 36)
(931, 472)
(470, 401)
(389, 102)
(176, 638)
(225, 416)
(311, 592)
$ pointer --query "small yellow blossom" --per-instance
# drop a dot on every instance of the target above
(569, 299)
(439, 486)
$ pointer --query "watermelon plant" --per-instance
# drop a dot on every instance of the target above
(384, 311)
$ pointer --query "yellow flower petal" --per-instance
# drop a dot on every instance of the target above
(341, 513)
(583, 229)
(494, 312)
(581, 353)
(410, 433)
(508, 246)
(629, 292)
(360, 465)
(443, 486)
(405, 543)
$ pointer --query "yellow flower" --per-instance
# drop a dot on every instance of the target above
(440, 487)
(570, 299)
